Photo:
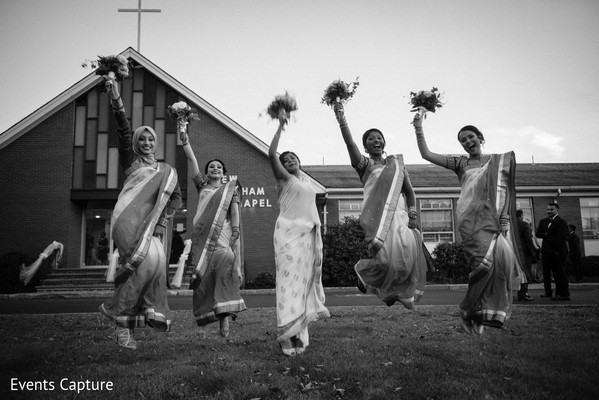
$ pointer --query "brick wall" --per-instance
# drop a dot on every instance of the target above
(35, 174)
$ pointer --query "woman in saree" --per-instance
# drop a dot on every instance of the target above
(216, 244)
(486, 216)
(298, 251)
(396, 267)
(140, 225)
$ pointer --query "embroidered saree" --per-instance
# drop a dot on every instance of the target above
(396, 268)
(150, 193)
(493, 258)
(298, 257)
(217, 265)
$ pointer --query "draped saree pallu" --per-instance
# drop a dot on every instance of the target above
(298, 257)
(218, 266)
(396, 268)
(140, 296)
(487, 192)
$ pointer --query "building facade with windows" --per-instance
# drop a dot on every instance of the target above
(60, 175)
(437, 191)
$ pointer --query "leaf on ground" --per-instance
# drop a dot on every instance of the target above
(309, 386)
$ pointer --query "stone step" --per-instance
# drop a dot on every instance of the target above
(88, 279)
(74, 288)
(76, 275)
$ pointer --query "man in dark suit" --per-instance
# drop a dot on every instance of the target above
(554, 232)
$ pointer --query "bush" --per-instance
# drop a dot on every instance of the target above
(264, 280)
(590, 266)
(343, 246)
(450, 263)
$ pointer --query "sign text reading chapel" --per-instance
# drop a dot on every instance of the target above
(253, 196)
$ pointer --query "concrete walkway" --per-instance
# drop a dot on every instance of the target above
(187, 292)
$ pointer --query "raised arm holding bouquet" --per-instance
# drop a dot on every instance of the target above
(115, 67)
(425, 101)
(486, 216)
(216, 237)
(339, 92)
(396, 267)
(140, 229)
(281, 108)
(183, 114)
(297, 244)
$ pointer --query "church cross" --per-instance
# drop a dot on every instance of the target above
(139, 10)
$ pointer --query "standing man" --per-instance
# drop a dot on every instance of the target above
(554, 232)
(527, 253)
(574, 245)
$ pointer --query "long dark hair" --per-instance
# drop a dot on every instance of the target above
(474, 129)
(283, 154)
(221, 163)
(369, 132)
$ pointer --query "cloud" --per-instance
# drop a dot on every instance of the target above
(529, 141)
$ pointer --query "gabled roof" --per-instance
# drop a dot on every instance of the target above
(39, 115)
(568, 175)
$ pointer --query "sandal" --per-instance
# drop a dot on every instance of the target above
(466, 325)
(124, 338)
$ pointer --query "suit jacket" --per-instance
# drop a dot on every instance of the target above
(555, 236)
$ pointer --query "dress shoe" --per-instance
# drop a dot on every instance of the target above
(546, 295)
(525, 298)
(560, 298)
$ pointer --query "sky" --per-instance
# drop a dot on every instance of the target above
(523, 71)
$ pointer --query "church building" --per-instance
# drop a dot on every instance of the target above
(60, 175)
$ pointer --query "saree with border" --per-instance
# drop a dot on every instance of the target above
(140, 296)
(297, 243)
(487, 192)
(396, 268)
(217, 265)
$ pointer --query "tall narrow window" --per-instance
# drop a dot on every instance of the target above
(436, 220)
(589, 232)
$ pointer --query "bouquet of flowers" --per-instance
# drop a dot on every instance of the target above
(426, 100)
(114, 66)
(339, 91)
(282, 107)
(182, 113)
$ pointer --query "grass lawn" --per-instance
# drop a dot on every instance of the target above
(359, 353)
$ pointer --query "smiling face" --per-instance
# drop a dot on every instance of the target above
(375, 144)
(551, 210)
(470, 142)
(291, 163)
(215, 170)
(146, 144)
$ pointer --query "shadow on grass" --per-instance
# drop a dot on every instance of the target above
(372, 352)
